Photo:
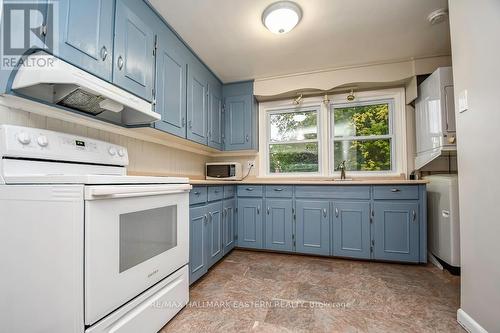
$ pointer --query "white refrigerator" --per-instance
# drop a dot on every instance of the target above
(443, 218)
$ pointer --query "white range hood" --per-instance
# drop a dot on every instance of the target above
(47, 78)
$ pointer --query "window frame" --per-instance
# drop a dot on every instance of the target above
(390, 136)
(400, 159)
(295, 109)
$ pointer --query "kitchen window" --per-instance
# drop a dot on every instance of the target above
(362, 136)
(312, 138)
(293, 141)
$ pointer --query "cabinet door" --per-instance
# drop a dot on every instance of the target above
(351, 229)
(197, 113)
(396, 231)
(171, 87)
(86, 35)
(313, 227)
(250, 223)
(228, 225)
(215, 117)
(238, 122)
(134, 59)
(198, 237)
(278, 225)
(215, 249)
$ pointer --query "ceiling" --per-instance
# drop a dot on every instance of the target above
(229, 37)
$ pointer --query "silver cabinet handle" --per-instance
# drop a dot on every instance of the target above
(414, 215)
(205, 219)
(336, 212)
(278, 189)
(196, 193)
(247, 138)
(268, 210)
(249, 189)
(120, 62)
(104, 53)
(183, 122)
(324, 212)
(224, 212)
(395, 190)
(216, 191)
(190, 124)
(258, 210)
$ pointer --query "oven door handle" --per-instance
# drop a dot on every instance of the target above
(124, 191)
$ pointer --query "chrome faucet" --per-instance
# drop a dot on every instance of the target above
(342, 167)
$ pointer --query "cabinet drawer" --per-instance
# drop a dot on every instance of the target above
(229, 191)
(250, 191)
(198, 195)
(395, 192)
(215, 193)
(333, 192)
(279, 191)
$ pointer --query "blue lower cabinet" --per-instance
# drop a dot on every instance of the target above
(214, 243)
(396, 231)
(250, 233)
(228, 225)
(313, 227)
(198, 229)
(351, 229)
(278, 225)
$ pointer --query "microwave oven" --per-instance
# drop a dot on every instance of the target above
(224, 171)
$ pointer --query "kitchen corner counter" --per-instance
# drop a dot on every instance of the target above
(285, 181)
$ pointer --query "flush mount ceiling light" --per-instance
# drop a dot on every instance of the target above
(281, 17)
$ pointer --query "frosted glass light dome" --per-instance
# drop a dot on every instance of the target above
(281, 17)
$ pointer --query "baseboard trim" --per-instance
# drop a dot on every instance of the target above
(468, 323)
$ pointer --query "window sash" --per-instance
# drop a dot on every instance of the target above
(317, 111)
(390, 135)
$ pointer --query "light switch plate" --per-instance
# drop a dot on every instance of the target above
(463, 103)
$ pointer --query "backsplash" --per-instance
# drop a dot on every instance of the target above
(144, 156)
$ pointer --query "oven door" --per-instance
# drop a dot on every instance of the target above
(135, 236)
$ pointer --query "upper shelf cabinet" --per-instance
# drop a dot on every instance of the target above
(86, 35)
(134, 51)
(197, 104)
(240, 113)
(215, 115)
(171, 85)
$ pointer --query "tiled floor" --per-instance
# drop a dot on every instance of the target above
(268, 292)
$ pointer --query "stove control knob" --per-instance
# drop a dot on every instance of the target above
(112, 151)
(121, 152)
(42, 141)
(23, 138)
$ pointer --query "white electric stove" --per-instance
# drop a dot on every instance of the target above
(86, 247)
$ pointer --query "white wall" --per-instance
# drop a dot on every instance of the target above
(475, 39)
(145, 157)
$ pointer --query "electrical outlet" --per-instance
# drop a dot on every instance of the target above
(250, 164)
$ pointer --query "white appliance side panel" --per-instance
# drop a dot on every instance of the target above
(41, 272)
(106, 289)
(150, 311)
(444, 233)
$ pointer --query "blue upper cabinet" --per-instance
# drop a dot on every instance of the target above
(278, 225)
(171, 86)
(396, 231)
(86, 35)
(240, 113)
(351, 229)
(215, 116)
(134, 48)
(197, 104)
(313, 227)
